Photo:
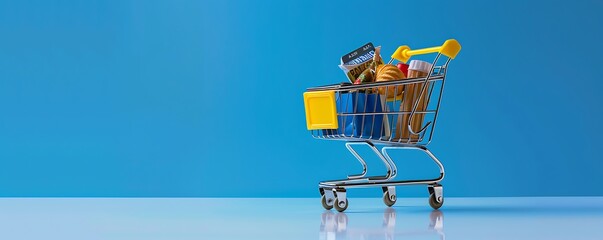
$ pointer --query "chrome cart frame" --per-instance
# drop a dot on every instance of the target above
(374, 127)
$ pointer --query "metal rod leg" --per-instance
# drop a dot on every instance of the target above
(388, 164)
(391, 162)
(400, 182)
(436, 160)
(348, 145)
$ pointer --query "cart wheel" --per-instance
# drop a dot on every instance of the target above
(325, 204)
(434, 203)
(389, 200)
(340, 205)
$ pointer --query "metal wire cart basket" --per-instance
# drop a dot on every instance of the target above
(385, 116)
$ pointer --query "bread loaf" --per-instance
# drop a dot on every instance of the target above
(388, 72)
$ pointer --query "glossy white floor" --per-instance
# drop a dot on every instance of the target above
(194, 218)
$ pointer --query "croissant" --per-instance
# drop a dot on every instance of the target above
(388, 72)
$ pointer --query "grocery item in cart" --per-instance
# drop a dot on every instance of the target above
(388, 72)
(403, 67)
(368, 75)
(370, 126)
(416, 69)
(355, 62)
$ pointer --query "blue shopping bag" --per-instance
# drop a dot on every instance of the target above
(369, 126)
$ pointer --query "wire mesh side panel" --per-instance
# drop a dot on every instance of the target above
(382, 114)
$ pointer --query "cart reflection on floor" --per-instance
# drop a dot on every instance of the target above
(335, 226)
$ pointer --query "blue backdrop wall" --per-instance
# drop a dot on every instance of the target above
(204, 98)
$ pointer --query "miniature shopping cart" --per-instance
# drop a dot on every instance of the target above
(390, 115)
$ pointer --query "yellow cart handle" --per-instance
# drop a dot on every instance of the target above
(450, 48)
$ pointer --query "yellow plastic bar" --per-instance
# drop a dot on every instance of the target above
(450, 48)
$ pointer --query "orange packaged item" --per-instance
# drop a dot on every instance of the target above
(412, 92)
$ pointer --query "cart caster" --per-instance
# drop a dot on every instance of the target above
(433, 202)
(327, 198)
(327, 204)
(341, 202)
(436, 197)
(389, 196)
(340, 205)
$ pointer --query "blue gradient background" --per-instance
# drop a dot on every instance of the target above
(204, 98)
